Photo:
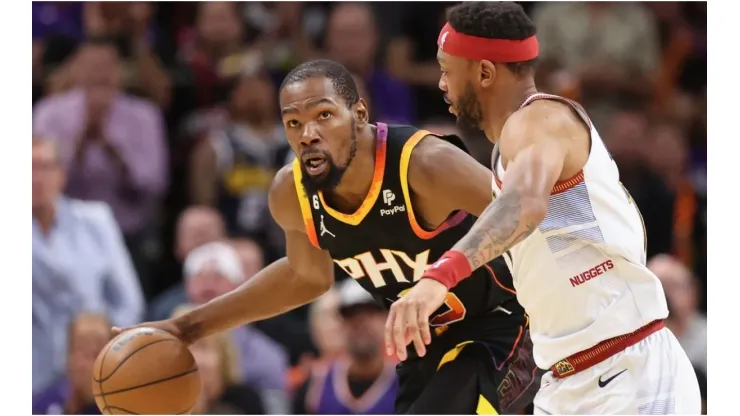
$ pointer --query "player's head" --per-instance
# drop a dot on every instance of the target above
(322, 113)
(483, 47)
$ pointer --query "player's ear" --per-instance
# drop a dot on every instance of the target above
(362, 114)
(487, 73)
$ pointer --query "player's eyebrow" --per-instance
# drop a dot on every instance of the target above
(312, 103)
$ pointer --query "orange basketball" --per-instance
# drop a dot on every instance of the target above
(145, 371)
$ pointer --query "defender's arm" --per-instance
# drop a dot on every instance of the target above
(535, 142)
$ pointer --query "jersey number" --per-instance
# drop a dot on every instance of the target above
(315, 201)
(455, 310)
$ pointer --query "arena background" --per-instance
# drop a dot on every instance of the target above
(188, 148)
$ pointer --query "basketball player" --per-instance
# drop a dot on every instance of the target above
(570, 232)
(378, 202)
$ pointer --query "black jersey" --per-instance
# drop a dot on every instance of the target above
(383, 246)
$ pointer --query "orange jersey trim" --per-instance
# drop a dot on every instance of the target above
(420, 232)
(498, 282)
(372, 194)
(558, 188)
(305, 204)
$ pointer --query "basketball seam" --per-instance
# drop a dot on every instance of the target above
(100, 373)
(125, 359)
(151, 383)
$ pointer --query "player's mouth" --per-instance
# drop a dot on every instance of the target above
(315, 165)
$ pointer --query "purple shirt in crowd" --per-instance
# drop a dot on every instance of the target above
(57, 18)
(136, 128)
(263, 361)
(390, 98)
(51, 401)
(329, 393)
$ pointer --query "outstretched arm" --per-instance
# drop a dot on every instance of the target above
(302, 276)
(536, 153)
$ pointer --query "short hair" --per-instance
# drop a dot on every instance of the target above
(340, 77)
(494, 20)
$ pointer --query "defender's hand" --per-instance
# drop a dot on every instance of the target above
(408, 319)
(166, 325)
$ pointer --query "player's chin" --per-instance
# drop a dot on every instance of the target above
(452, 110)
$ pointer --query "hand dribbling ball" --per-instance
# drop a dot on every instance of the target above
(145, 371)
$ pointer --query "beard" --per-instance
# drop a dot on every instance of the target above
(469, 111)
(334, 172)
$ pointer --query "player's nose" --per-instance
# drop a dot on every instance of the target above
(442, 84)
(310, 135)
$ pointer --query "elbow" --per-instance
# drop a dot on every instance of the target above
(534, 209)
(315, 286)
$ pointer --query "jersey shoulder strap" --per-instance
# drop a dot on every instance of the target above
(305, 204)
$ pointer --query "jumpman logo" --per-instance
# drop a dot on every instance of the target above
(323, 229)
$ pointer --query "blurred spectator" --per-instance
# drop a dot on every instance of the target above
(213, 270)
(365, 381)
(130, 28)
(233, 168)
(88, 335)
(284, 32)
(113, 146)
(352, 40)
(140, 44)
(57, 27)
(603, 53)
(324, 325)
(196, 226)
(79, 263)
(412, 54)
(669, 157)
(217, 53)
(625, 136)
(685, 322)
(221, 389)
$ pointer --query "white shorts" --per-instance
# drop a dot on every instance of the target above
(652, 377)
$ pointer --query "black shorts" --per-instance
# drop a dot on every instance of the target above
(484, 366)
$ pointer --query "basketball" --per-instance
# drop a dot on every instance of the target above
(145, 371)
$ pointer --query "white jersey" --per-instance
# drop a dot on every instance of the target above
(581, 276)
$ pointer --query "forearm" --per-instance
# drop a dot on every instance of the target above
(505, 222)
(274, 290)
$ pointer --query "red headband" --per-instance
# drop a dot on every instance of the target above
(494, 50)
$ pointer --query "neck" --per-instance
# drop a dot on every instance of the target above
(44, 215)
(366, 369)
(358, 178)
(500, 107)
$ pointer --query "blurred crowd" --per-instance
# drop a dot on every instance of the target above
(156, 134)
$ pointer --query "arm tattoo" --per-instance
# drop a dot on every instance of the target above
(499, 228)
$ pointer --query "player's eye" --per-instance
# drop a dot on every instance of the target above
(324, 115)
(292, 123)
